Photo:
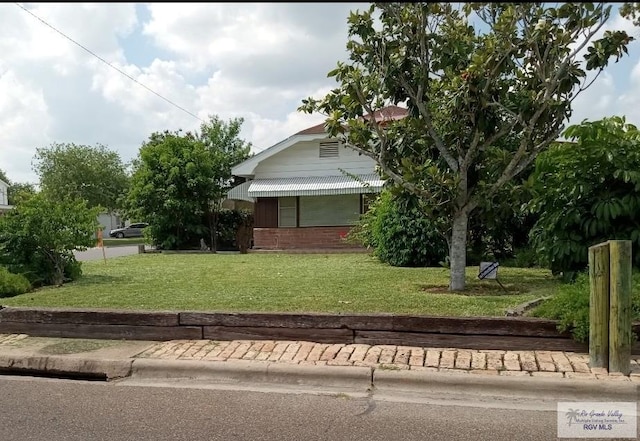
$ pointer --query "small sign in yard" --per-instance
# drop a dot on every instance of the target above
(489, 270)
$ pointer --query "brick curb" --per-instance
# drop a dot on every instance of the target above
(360, 367)
(543, 364)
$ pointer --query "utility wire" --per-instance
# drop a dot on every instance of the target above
(109, 64)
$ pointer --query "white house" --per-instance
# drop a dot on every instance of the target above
(304, 189)
(4, 198)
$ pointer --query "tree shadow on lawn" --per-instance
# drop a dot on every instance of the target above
(95, 279)
(484, 288)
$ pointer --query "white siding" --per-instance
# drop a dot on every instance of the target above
(108, 222)
(303, 159)
(3, 194)
(327, 211)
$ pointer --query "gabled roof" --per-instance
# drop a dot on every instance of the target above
(389, 113)
(246, 168)
(2, 182)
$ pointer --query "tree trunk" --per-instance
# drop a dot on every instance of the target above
(458, 250)
(214, 244)
(58, 272)
(212, 232)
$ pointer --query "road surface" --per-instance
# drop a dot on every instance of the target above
(36, 409)
(96, 253)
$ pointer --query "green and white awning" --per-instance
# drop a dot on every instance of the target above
(315, 186)
(240, 192)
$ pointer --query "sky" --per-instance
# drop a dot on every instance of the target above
(114, 73)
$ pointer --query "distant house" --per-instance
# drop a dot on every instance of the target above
(303, 189)
(110, 221)
(4, 197)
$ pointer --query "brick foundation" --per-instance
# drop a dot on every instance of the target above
(304, 237)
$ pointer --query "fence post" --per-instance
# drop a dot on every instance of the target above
(599, 305)
(620, 306)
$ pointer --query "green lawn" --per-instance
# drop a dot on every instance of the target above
(285, 282)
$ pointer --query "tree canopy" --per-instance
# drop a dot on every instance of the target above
(93, 173)
(17, 190)
(486, 81)
(38, 237)
(180, 178)
(587, 191)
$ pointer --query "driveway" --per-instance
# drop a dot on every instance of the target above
(96, 253)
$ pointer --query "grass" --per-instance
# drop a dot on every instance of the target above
(123, 242)
(334, 283)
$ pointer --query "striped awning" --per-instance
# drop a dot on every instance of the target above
(315, 186)
(240, 192)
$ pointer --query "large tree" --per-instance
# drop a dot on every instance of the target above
(471, 79)
(226, 149)
(180, 180)
(93, 173)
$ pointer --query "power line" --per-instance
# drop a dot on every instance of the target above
(109, 64)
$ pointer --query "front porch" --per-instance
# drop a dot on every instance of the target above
(307, 212)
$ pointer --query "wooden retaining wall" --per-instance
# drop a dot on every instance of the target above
(502, 333)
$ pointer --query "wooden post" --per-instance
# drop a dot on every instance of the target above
(599, 305)
(101, 245)
(620, 306)
(141, 248)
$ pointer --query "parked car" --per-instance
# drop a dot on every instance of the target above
(133, 230)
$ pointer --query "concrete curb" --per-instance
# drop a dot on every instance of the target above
(561, 389)
(61, 365)
(238, 371)
(351, 378)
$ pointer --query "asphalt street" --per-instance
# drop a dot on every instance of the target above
(65, 410)
(96, 253)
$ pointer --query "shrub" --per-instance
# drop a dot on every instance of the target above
(570, 306)
(38, 237)
(400, 233)
(12, 284)
(526, 257)
(234, 229)
(587, 192)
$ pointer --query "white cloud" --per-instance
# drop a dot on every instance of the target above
(24, 123)
(250, 60)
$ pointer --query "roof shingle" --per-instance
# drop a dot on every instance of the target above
(389, 113)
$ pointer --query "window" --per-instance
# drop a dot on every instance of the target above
(287, 213)
(3, 198)
(367, 200)
(326, 211)
(329, 149)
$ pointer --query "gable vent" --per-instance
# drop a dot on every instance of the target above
(329, 149)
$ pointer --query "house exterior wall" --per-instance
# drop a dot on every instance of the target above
(267, 234)
(300, 238)
(4, 199)
(108, 222)
(309, 211)
(303, 159)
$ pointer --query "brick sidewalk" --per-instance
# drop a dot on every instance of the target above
(446, 360)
